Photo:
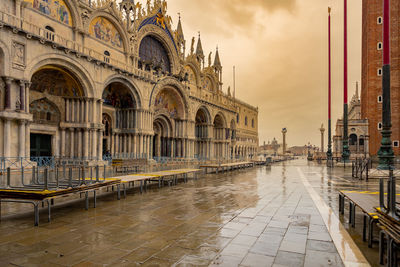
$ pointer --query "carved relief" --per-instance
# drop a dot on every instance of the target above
(18, 55)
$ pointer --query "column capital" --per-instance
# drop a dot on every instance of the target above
(8, 80)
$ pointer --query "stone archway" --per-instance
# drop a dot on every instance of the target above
(121, 108)
(61, 110)
(202, 124)
(162, 142)
(220, 137)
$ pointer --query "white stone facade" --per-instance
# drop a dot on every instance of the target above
(81, 81)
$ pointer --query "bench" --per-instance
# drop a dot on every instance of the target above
(366, 201)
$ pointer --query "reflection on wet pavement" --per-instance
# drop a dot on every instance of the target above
(258, 217)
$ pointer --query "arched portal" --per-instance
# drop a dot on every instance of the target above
(220, 137)
(120, 118)
(201, 133)
(56, 96)
(162, 142)
(168, 124)
(232, 133)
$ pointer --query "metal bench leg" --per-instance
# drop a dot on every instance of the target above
(364, 228)
(124, 190)
(118, 192)
(381, 246)
(141, 187)
(353, 224)
(36, 211)
(86, 200)
(94, 199)
(370, 232)
(389, 251)
(49, 211)
(350, 212)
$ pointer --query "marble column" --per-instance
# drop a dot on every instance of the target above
(140, 150)
(94, 144)
(7, 93)
(86, 144)
(100, 145)
(22, 95)
(129, 148)
(71, 139)
(62, 142)
(86, 110)
(80, 143)
(27, 140)
(21, 139)
(135, 141)
(27, 96)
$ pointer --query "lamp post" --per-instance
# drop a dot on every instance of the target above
(386, 154)
(329, 152)
(346, 151)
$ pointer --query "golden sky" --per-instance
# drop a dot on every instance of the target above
(279, 48)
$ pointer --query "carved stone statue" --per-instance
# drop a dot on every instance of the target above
(229, 91)
(209, 59)
(192, 47)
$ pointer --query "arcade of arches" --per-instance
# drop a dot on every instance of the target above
(100, 96)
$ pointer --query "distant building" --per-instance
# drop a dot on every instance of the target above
(358, 130)
(271, 148)
(371, 93)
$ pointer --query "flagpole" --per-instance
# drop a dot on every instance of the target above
(329, 152)
(386, 154)
(346, 151)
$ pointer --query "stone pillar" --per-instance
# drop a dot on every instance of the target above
(322, 129)
(21, 139)
(135, 145)
(94, 144)
(73, 112)
(148, 148)
(62, 142)
(27, 96)
(86, 110)
(129, 148)
(27, 140)
(80, 143)
(7, 93)
(86, 144)
(72, 137)
(94, 111)
(140, 146)
(100, 145)
(22, 95)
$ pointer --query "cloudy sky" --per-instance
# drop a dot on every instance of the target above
(279, 48)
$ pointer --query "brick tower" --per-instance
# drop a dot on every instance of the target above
(371, 92)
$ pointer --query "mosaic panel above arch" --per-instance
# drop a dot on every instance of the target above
(170, 102)
(57, 9)
(118, 96)
(56, 81)
(206, 84)
(102, 29)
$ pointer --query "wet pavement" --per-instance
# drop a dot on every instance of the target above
(255, 217)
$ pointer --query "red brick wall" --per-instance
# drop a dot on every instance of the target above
(371, 62)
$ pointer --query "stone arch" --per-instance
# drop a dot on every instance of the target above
(68, 63)
(76, 18)
(196, 71)
(129, 84)
(4, 59)
(174, 85)
(163, 128)
(220, 116)
(206, 112)
(115, 22)
(213, 82)
(157, 33)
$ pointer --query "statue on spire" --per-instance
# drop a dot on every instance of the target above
(209, 59)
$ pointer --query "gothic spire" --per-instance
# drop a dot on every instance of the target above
(217, 61)
(199, 49)
(179, 31)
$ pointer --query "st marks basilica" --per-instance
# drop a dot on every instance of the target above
(87, 79)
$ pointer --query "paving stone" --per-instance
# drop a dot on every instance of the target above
(321, 246)
(289, 259)
(256, 260)
(319, 258)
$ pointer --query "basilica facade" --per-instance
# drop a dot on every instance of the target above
(87, 79)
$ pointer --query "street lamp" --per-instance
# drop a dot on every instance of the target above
(346, 151)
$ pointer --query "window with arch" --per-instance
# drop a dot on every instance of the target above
(153, 55)
(44, 112)
(245, 120)
(49, 33)
(107, 56)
